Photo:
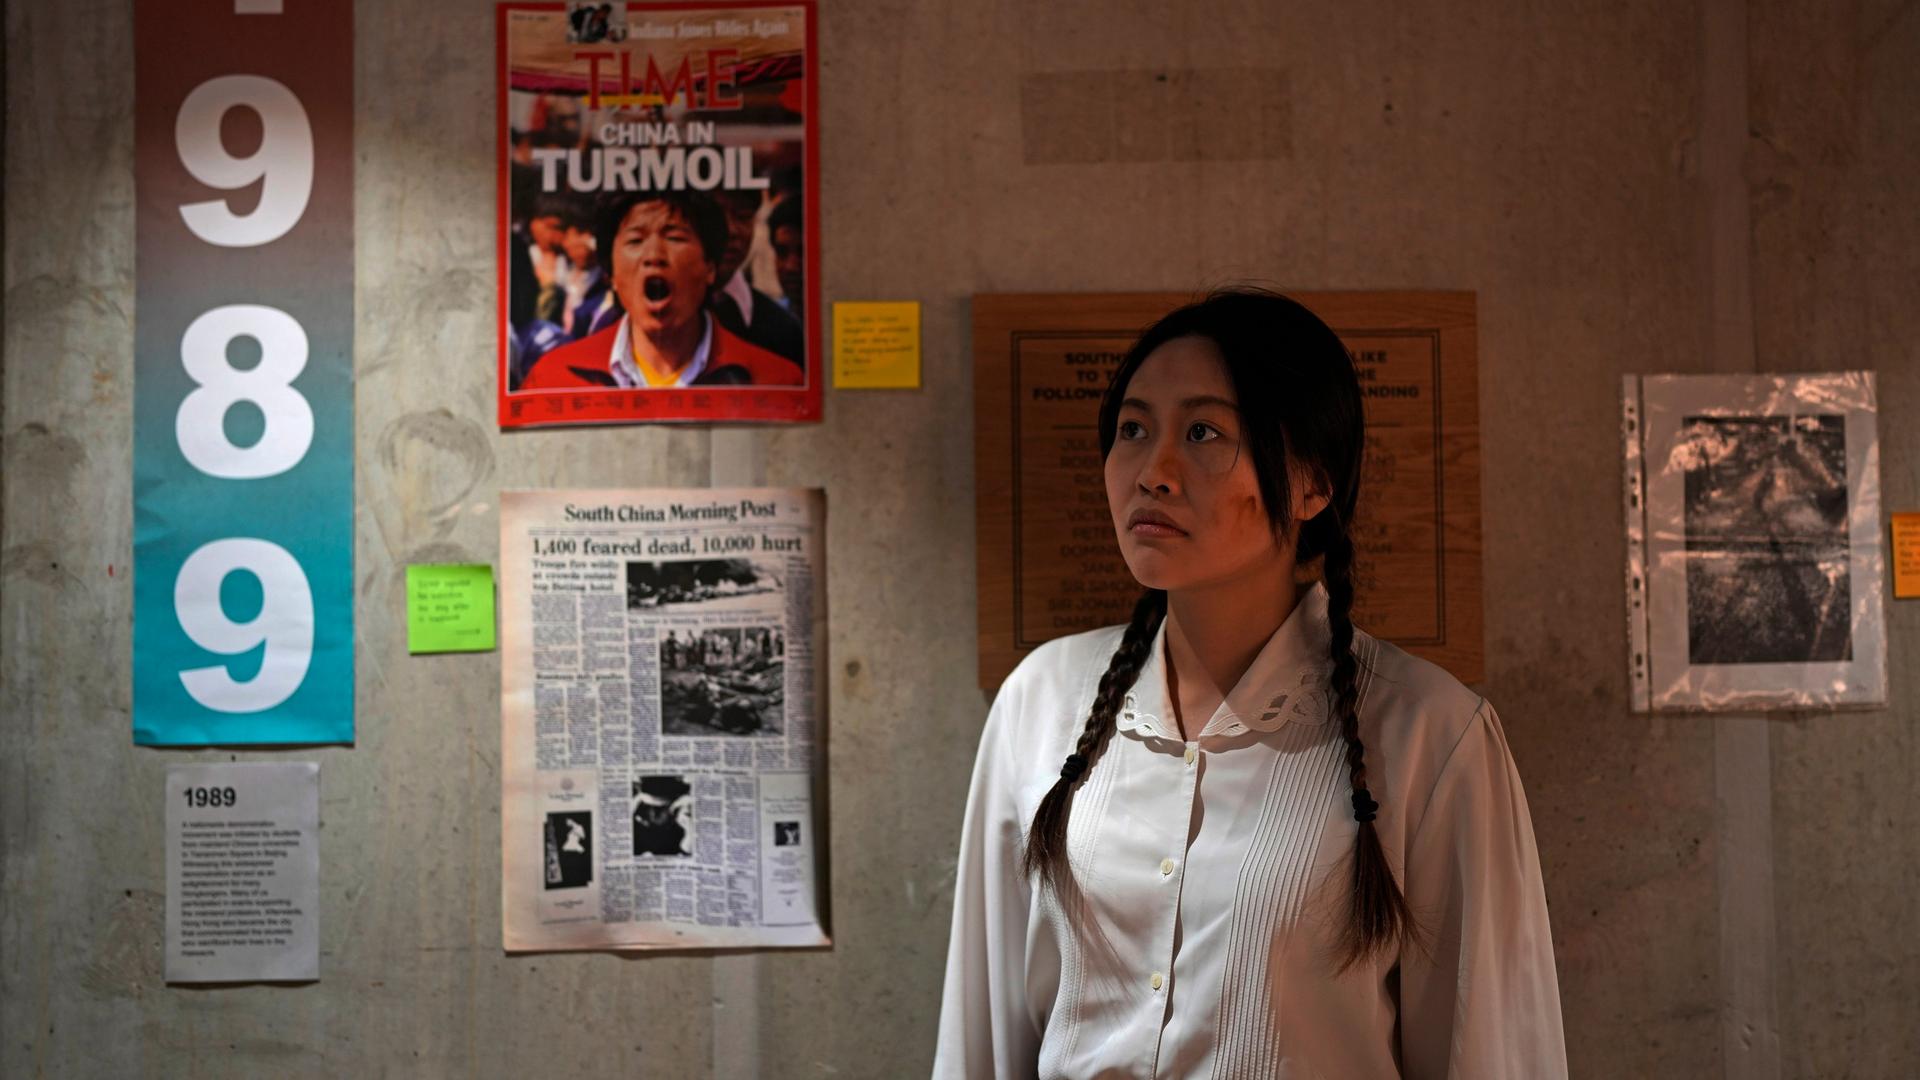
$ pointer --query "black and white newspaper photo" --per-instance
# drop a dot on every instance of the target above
(662, 687)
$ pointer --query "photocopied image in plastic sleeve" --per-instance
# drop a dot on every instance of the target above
(1755, 558)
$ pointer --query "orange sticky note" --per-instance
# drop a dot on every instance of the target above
(1906, 556)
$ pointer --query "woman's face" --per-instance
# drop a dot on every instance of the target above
(1182, 488)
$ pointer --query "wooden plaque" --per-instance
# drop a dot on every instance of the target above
(1049, 563)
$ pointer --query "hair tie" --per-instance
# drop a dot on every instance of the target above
(1074, 766)
(1363, 806)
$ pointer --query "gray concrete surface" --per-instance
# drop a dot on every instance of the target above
(1547, 156)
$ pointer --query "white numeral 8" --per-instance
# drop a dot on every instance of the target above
(200, 425)
(284, 625)
(284, 162)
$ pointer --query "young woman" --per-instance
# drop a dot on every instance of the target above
(1239, 837)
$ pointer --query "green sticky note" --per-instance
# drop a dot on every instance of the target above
(449, 609)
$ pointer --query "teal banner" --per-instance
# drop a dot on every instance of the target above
(243, 368)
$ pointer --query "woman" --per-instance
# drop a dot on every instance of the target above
(1239, 836)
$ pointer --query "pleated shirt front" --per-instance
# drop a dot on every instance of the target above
(1210, 877)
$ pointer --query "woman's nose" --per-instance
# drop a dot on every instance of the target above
(1160, 473)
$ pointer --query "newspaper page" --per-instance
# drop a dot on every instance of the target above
(663, 659)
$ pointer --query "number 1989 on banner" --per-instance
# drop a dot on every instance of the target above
(243, 418)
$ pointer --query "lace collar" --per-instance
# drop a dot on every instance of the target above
(1287, 683)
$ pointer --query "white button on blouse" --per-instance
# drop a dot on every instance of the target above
(1240, 943)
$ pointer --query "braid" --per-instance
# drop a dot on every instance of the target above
(1046, 852)
(1377, 915)
(1338, 571)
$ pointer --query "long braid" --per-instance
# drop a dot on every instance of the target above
(1046, 852)
(1378, 917)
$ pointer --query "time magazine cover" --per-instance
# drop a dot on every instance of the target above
(657, 234)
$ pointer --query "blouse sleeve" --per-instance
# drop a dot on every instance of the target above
(1481, 998)
(986, 1028)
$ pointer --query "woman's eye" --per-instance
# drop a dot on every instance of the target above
(1131, 429)
(1202, 433)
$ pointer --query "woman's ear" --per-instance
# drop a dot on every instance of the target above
(1310, 494)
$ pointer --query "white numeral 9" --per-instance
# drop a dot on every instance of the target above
(285, 623)
(283, 164)
(200, 425)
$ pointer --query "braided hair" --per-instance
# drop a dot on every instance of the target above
(1295, 385)
(1046, 852)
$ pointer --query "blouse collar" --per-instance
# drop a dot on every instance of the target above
(1287, 682)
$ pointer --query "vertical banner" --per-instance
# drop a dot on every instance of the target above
(658, 227)
(243, 367)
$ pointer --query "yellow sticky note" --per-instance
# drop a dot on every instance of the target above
(876, 345)
(449, 609)
(1906, 556)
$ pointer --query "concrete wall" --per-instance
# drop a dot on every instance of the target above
(1621, 183)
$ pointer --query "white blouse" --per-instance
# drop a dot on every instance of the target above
(1211, 877)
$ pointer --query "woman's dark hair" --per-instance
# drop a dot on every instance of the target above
(1299, 402)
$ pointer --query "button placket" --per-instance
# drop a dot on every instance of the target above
(1174, 872)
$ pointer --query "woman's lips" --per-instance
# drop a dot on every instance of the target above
(1153, 525)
